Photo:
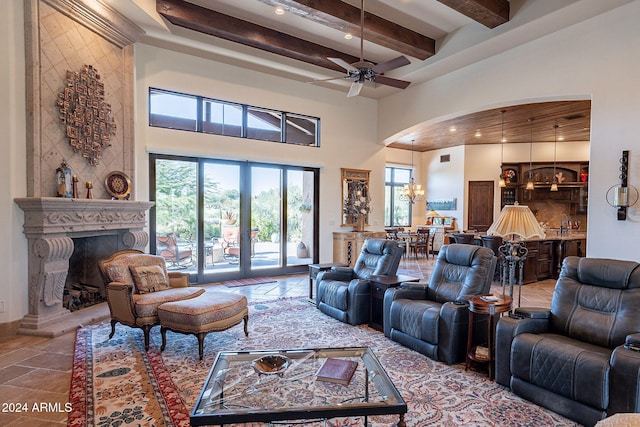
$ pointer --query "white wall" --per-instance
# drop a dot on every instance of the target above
(348, 131)
(593, 60)
(13, 290)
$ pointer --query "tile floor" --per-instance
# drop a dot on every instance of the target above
(37, 371)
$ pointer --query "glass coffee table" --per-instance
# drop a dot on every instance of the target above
(278, 385)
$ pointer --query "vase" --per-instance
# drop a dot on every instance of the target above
(360, 221)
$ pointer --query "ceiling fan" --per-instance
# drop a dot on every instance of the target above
(363, 71)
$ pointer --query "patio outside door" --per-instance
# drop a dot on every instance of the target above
(236, 219)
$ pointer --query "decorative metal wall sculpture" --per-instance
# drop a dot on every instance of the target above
(89, 124)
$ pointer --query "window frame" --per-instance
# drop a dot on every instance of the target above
(176, 123)
(394, 186)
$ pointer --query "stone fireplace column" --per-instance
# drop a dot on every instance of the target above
(48, 267)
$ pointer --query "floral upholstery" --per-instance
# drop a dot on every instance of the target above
(134, 303)
(211, 311)
(147, 304)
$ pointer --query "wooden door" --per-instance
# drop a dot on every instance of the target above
(480, 212)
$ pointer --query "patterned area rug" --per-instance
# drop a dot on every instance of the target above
(247, 282)
(116, 383)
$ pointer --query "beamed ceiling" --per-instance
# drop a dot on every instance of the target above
(437, 36)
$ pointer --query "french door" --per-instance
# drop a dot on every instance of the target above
(230, 219)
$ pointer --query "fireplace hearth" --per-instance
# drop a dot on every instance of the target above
(54, 227)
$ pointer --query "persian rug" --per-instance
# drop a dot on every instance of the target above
(248, 282)
(115, 382)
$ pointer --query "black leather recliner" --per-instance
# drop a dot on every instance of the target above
(344, 293)
(581, 358)
(433, 318)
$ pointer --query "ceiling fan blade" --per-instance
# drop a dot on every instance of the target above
(398, 62)
(327, 80)
(344, 64)
(388, 81)
(355, 88)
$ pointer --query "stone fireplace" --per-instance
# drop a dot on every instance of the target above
(51, 225)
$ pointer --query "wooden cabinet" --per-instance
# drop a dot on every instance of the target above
(572, 190)
(545, 260)
(347, 245)
(530, 271)
(545, 257)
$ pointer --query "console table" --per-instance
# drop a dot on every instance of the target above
(347, 245)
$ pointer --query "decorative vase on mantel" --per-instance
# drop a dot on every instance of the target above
(360, 222)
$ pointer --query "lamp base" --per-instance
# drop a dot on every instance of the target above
(513, 254)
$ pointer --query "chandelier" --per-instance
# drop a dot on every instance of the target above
(412, 192)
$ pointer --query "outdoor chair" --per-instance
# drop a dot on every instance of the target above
(177, 256)
(345, 293)
(432, 318)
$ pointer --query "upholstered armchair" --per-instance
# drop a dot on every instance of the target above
(581, 358)
(432, 318)
(136, 284)
(344, 293)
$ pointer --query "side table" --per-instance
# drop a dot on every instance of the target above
(492, 305)
(314, 269)
(379, 285)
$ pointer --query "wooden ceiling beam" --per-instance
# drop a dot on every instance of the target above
(197, 18)
(489, 13)
(343, 17)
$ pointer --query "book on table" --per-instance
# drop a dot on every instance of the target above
(338, 371)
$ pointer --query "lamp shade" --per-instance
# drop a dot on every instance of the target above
(516, 220)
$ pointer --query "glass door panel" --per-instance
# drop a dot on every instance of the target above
(221, 217)
(266, 217)
(176, 213)
(300, 217)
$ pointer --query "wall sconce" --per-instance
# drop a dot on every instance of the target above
(623, 195)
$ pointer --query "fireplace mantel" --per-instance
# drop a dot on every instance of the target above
(50, 225)
(74, 217)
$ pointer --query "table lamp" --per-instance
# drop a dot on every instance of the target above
(516, 221)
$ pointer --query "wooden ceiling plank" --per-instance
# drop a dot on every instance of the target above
(489, 13)
(194, 17)
(343, 17)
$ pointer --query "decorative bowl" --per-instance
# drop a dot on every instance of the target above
(271, 364)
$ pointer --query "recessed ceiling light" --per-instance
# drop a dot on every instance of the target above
(279, 11)
(452, 129)
(348, 36)
(561, 138)
(478, 134)
(503, 139)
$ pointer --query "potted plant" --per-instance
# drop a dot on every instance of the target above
(229, 217)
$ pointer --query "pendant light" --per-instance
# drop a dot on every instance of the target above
(530, 185)
(412, 192)
(554, 185)
(501, 181)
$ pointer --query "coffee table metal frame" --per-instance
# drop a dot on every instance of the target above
(210, 407)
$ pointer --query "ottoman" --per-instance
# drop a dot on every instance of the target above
(211, 311)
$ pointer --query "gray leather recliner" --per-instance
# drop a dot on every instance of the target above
(432, 318)
(344, 293)
(581, 358)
